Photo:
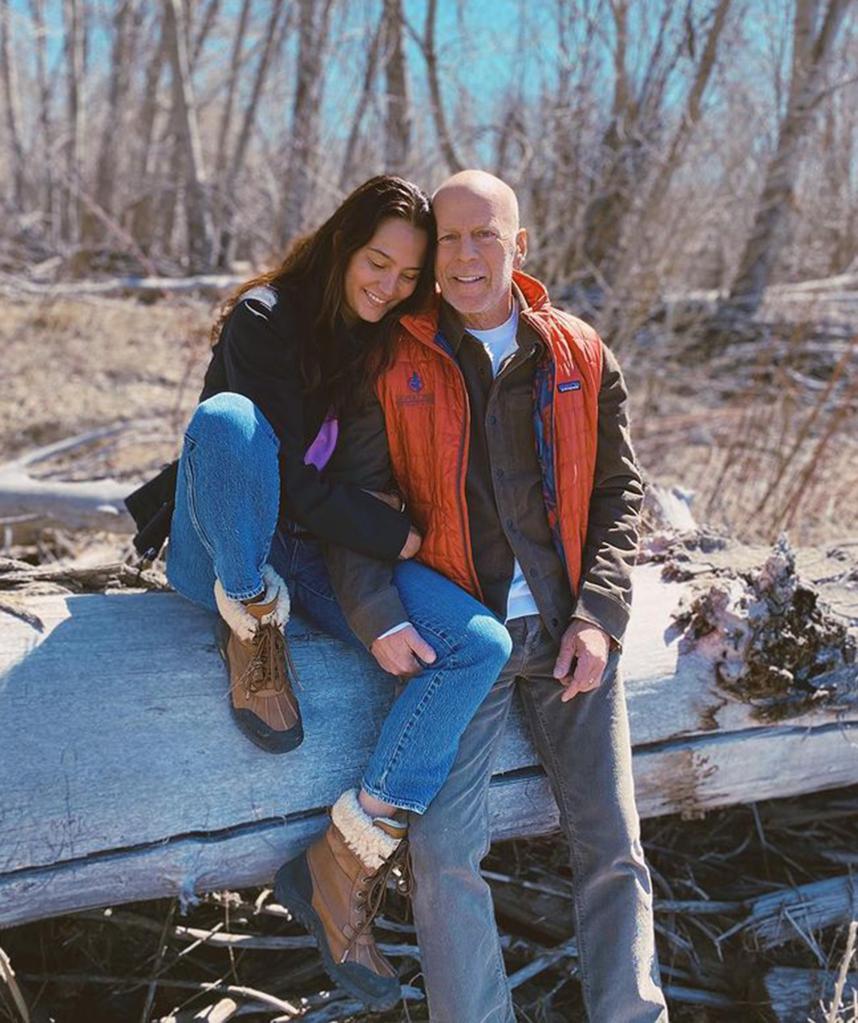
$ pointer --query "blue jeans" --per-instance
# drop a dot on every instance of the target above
(585, 749)
(225, 526)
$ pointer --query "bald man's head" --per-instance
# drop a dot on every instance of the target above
(480, 243)
(489, 187)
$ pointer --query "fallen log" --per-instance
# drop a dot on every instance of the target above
(796, 913)
(130, 285)
(795, 995)
(122, 776)
(89, 504)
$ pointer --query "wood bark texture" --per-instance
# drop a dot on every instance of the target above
(123, 776)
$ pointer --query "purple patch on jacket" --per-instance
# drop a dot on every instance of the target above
(320, 451)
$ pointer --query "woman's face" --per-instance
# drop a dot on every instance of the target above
(384, 272)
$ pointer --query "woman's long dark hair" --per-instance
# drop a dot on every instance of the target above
(313, 273)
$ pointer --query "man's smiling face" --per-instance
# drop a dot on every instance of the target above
(479, 245)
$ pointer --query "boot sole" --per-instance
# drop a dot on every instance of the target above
(287, 894)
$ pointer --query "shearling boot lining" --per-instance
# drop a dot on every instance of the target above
(240, 620)
(370, 844)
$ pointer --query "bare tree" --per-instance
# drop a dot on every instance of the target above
(125, 21)
(210, 13)
(248, 122)
(143, 218)
(398, 109)
(75, 49)
(812, 49)
(430, 55)
(369, 75)
(313, 25)
(198, 214)
(12, 114)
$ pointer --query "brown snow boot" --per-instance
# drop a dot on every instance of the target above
(336, 887)
(263, 702)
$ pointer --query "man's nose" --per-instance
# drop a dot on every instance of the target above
(467, 248)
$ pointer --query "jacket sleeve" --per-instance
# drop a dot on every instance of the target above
(363, 585)
(605, 591)
(261, 363)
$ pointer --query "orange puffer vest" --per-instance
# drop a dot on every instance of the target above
(427, 414)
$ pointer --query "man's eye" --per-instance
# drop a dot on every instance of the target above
(445, 238)
(485, 235)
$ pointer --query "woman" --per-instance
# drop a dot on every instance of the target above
(250, 503)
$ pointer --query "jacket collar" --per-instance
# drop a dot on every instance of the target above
(423, 325)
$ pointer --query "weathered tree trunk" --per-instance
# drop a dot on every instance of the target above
(12, 111)
(125, 20)
(811, 54)
(691, 115)
(138, 757)
(75, 44)
(313, 24)
(232, 79)
(248, 123)
(197, 207)
(451, 157)
(143, 218)
(369, 75)
(47, 191)
(397, 134)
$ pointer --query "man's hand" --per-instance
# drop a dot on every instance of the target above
(397, 654)
(588, 644)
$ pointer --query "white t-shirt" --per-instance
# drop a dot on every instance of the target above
(500, 342)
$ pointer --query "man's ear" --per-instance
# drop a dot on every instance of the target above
(520, 248)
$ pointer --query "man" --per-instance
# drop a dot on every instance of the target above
(504, 422)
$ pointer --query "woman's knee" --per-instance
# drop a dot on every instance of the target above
(486, 641)
(230, 420)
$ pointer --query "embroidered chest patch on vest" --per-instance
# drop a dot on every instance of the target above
(416, 397)
(569, 385)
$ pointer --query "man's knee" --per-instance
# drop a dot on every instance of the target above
(440, 849)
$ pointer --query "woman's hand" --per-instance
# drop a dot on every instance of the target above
(411, 545)
(414, 540)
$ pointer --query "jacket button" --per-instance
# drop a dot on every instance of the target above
(499, 474)
(509, 523)
(493, 420)
(555, 621)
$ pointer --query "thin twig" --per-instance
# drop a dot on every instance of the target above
(8, 975)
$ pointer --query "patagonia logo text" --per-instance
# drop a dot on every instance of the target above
(410, 400)
(414, 381)
(569, 385)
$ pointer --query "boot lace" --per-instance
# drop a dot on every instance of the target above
(396, 867)
(266, 671)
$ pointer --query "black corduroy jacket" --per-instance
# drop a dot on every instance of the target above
(257, 355)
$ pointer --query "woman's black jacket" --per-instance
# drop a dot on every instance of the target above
(257, 356)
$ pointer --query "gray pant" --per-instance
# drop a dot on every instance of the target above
(585, 749)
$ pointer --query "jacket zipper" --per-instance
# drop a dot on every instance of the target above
(461, 474)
